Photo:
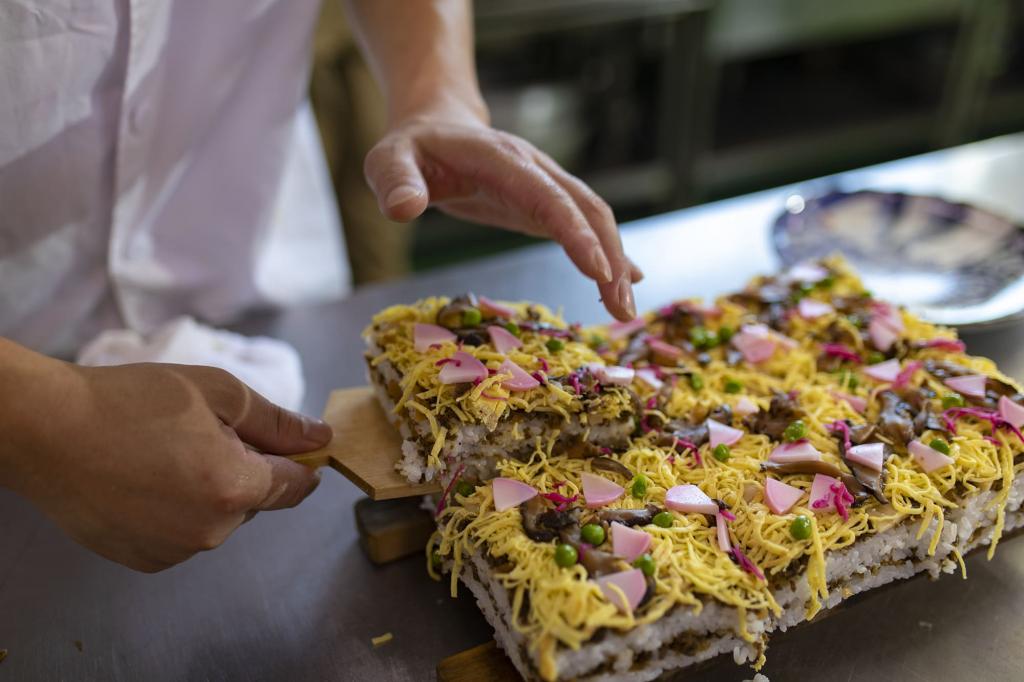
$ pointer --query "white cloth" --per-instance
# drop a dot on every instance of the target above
(268, 366)
(158, 158)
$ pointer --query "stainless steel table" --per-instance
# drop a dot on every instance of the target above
(291, 597)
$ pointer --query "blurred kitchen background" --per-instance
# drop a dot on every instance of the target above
(661, 104)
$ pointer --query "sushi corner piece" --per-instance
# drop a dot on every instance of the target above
(470, 380)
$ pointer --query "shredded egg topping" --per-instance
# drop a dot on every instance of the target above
(424, 397)
(566, 608)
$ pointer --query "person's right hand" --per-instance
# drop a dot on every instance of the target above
(148, 464)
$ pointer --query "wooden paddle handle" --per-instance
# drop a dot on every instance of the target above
(314, 460)
(365, 447)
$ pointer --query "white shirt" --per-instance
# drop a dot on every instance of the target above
(158, 158)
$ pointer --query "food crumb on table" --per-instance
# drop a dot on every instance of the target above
(3, 655)
(78, 644)
(382, 639)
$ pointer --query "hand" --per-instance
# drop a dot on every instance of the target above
(471, 171)
(148, 464)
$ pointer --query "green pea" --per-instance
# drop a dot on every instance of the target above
(435, 559)
(464, 488)
(800, 291)
(566, 555)
(952, 400)
(733, 386)
(855, 320)
(699, 337)
(513, 328)
(639, 488)
(827, 282)
(696, 381)
(849, 379)
(725, 334)
(596, 340)
(711, 339)
(646, 564)
(721, 452)
(867, 294)
(940, 445)
(874, 357)
(800, 529)
(795, 431)
(592, 534)
(555, 345)
(471, 317)
(663, 520)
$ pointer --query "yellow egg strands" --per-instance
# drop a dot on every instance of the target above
(567, 608)
(488, 402)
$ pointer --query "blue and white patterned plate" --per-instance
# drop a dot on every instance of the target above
(949, 263)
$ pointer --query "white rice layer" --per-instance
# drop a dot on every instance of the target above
(476, 447)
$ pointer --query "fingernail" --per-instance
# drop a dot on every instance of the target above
(316, 431)
(402, 194)
(625, 290)
(599, 263)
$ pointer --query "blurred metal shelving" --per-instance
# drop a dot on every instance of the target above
(660, 104)
(947, 100)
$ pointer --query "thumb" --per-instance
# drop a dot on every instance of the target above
(275, 430)
(289, 484)
(393, 174)
(257, 421)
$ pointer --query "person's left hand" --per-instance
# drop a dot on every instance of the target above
(472, 171)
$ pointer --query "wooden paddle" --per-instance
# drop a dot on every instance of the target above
(365, 447)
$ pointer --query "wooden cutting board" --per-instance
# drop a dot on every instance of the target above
(365, 447)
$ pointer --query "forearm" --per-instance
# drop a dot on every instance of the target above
(421, 52)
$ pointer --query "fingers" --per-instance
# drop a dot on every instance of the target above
(249, 482)
(617, 294)
(257, 421)
(510, 172)
(499, 179)
(470, 167)
(289, 484)
(394, 175)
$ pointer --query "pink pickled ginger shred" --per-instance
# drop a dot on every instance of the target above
(841, 497)
(746, 564)
(907, 373)
(683, 445)
(561, 501)
(841, 350)
(954, 345)
(991, 416)
(442, 503)
(839, 426)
